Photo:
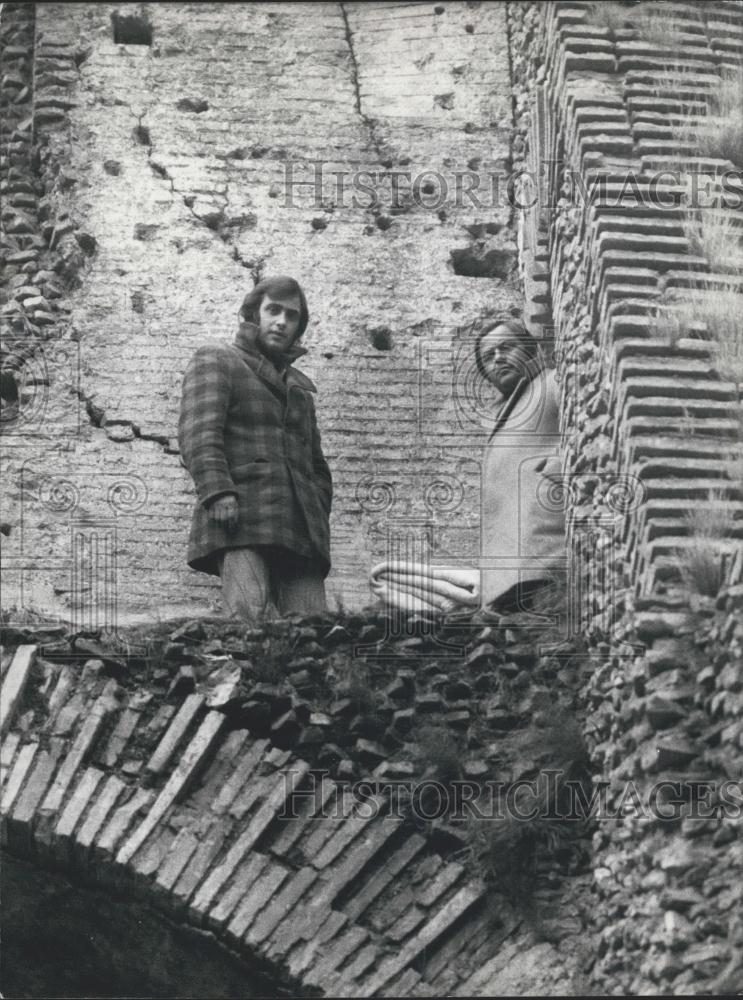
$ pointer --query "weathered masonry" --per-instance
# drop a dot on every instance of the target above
(167, 180)
(629, 119)
(159, 159)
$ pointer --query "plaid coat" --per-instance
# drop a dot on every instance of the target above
(247, 429)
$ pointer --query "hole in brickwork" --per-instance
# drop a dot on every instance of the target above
(131, 29)
(145, 231)
(142, 135)
(473, 263)
(88, 244)
(380, 338)
(199, 105)
(212, 220)
(445, 101)
(8, 387)
(480, 229)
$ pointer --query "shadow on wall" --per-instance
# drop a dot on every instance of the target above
(63, 940)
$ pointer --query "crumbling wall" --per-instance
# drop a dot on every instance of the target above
(295, 795)
(180, 152)
(623, 96)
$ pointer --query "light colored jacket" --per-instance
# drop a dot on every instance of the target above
(522, 499)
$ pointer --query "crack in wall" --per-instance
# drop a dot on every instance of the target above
(97, 418)
(370, 123)
(213, 221)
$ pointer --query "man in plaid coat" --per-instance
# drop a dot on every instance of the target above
(248, 436)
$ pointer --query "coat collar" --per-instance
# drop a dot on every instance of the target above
(246, 342)
(530, 398)
(508, 406)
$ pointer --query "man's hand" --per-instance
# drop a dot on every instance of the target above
(223, 511)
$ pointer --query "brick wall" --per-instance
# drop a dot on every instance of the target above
(613, 94)
(168, 162)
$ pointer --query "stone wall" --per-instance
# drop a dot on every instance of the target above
(623, 96)
(171, 156)
(135, 186)
(273, 792)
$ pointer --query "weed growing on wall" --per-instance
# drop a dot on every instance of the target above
(439, 753)
(651, 22)
(711, 309)
(720, 134)
(610, 15)
(703, 563)
(355, 683)
(717, 236)
(706, 116)
(655, 23)
(510, 849)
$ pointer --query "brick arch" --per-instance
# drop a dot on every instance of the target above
(174, 807)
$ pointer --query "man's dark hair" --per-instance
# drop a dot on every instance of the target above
(517, 328)
(278, 287)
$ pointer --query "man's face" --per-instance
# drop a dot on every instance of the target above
(278, 322)
(505, 360)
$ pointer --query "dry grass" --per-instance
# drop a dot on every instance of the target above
(652, 22)
(508, 848)
(735, 462)
(722, 312)
(609, 15)
(709, 119)
(712, 314)
(656, 24)
(716, 235)
(667, 322)
(702, 564)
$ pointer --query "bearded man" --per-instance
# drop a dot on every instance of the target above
(522, 514)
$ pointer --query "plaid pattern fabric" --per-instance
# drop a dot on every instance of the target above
(249, 430)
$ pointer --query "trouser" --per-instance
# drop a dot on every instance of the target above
(262, 580)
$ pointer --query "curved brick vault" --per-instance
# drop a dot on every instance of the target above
(165, 796)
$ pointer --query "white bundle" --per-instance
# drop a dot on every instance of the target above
(416, 586)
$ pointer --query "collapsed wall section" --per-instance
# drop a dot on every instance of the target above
(185, 152)
(636, 157)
